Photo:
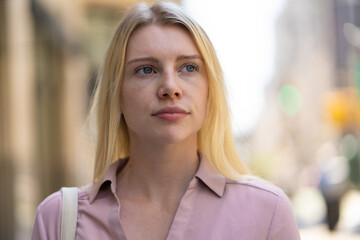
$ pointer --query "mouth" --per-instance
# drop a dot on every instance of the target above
(171, 114)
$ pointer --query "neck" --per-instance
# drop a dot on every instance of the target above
(156, 171)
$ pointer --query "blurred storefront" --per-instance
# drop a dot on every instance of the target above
(50, 52)
(49, 55)
(313, 100)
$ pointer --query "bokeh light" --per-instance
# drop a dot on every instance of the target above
(349, 146)
(290, 100)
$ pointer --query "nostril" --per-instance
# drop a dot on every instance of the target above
(169, 93)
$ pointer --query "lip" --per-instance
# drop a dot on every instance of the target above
(171, 114)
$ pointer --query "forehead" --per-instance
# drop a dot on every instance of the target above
(160, 41)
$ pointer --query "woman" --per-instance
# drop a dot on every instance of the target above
(161, 109)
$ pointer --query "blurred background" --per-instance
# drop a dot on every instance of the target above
(293, 75)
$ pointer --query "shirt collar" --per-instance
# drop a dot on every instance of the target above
(210, 176)
(110, 178)
(206, 173)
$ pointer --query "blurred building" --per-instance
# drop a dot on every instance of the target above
(315, 60)
(49, 55)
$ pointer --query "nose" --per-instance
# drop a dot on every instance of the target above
(169, 87)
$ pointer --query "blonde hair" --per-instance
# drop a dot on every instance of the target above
(215, 138)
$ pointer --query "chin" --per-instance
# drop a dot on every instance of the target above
(176, 137)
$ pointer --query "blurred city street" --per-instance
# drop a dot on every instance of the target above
(348, 225)
(321, 232)
(292, 68)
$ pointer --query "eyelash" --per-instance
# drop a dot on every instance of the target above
(196, 68)
(137, 70)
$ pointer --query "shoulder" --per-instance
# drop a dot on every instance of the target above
(259, 193)
(254, 196)
(268, 203)
(255, 187)
(50, 206)
(48, 216)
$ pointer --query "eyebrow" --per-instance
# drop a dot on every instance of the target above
(186, 57)
(155, 60)
(143, 59)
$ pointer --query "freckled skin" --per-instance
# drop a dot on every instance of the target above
(157, 75)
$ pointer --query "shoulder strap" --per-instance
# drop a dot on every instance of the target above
(69, 213)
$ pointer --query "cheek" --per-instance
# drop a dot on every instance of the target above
(205, 94)
(202, 101)
(134, 104)
(126, 104)
(205, 106)
(205, 101)
(130, 111)
(128, 96)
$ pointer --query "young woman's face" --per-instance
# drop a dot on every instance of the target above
(165, 89)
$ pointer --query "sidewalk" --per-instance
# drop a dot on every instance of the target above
(320, 232)
(312, 209)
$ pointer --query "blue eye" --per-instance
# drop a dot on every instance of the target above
(190, 68)
(145, 70)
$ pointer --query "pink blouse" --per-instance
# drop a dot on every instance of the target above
(213, 207)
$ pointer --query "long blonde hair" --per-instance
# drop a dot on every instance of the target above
(215, 138)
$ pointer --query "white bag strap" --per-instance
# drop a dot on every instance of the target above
(69, 213)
